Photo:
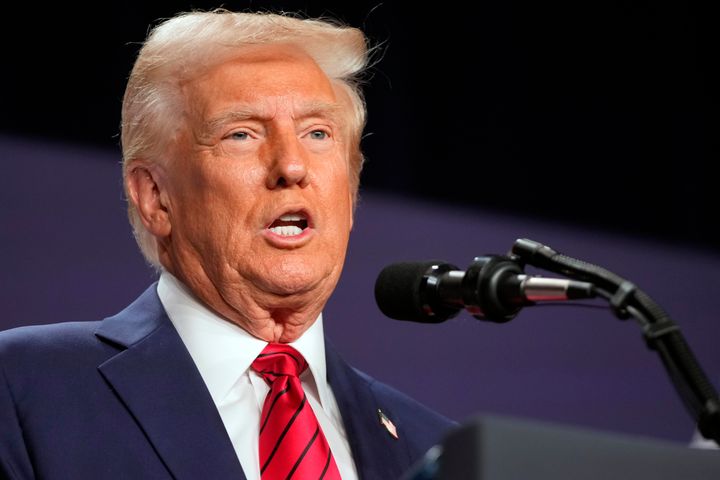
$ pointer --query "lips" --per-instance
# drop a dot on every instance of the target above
(289, 224)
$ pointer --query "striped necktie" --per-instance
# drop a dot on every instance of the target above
(292, 444)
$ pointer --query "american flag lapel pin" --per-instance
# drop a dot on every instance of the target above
(385, 422)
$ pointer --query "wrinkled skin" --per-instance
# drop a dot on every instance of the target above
(264, 135)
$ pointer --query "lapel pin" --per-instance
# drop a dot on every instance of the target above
(385, 422)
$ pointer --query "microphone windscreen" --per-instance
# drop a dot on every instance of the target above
(398, 290)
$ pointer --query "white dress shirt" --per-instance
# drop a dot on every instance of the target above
(223, 353)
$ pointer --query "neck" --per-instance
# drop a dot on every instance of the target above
(269, 317)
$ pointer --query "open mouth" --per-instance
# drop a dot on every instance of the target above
(289, 224)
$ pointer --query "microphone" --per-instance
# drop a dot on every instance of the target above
(493, 288)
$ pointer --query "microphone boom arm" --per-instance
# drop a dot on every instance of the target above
(660, 332)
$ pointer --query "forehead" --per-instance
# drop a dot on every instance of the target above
(262, 75)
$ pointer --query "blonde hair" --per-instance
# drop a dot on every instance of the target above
(186, 45)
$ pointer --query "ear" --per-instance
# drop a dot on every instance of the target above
(150, 200)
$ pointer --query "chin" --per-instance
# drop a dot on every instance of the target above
(295, 279)
(289, 288)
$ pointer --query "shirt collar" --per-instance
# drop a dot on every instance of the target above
(223, 351)
(311, 345)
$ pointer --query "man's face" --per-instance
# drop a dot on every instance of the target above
(258, 190)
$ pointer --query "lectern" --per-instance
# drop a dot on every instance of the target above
(493, 447)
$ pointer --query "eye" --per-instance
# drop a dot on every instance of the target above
(319, 134)
(239, 136)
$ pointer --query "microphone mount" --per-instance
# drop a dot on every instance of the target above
(493, 288)
(659, 330)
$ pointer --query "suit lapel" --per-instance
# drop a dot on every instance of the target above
(376, 453)
(156, 379)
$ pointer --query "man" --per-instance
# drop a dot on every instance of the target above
(240, 138)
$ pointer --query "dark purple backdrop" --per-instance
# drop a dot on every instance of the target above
(68, 254)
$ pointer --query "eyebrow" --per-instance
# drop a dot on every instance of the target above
(329, 111)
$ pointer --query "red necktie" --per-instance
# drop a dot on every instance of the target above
(292, 443)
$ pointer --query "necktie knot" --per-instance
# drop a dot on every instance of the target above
(279, 360)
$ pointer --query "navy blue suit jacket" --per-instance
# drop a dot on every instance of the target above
(122, 398)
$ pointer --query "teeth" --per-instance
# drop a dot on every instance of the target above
(292, 217)
(286, 231)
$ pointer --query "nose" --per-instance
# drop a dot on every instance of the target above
(288, 163)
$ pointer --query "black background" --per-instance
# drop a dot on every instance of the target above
(597, 113)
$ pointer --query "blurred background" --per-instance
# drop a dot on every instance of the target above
(590, 126)
(601, 113)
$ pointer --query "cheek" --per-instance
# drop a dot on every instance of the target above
(340, 205)
(214, 200)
